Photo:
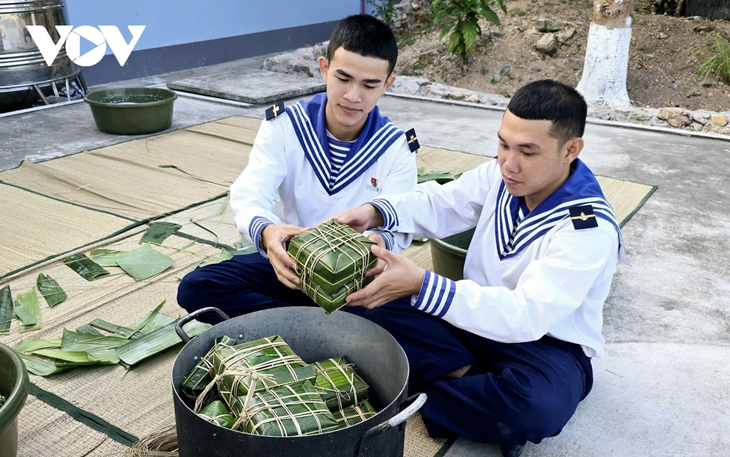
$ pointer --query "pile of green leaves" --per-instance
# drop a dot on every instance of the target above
(104, 343)
(461, 18)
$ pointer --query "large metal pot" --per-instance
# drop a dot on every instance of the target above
(313, 335)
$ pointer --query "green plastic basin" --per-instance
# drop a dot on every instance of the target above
(448, 255)
(14, 386)
(132, 110)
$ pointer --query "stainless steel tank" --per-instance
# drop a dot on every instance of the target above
(24, 75)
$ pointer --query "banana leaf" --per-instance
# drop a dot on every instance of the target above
(143, 323)
(354, 414)
(202, 374)
(89, 330)
(6, 310)
(73, 341)
(28, 311)
(104, 356)
(158, 232)
(144, 263)
(290, 410)
(152, 322)
(75, 357)
(51, 290)
(88, 269)
(112, 328)
(217, 413)
(440, 177)
(106, 257)
(331, 261)
(153, 343)
(338, 383)
(332, 302)
(270, 359)
(31, 345)
(42, 367)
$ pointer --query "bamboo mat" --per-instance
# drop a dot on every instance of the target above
(44, 430)
(34, 227)
(126, 179)
(212, 221)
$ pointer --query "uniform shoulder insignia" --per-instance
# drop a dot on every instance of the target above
(412, 140)
(583, 217)
(274, 111)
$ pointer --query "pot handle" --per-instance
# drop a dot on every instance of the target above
(185, 319)
(416, 402)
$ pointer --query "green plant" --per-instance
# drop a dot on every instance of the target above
(719, 63)
(461, 18)
(384, 10)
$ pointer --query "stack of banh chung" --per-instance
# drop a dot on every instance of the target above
(331, 261)
(263, 387)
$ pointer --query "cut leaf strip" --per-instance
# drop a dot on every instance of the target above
(155, 342)
(159, 231)
(51, 290)
(6, 310)
(28, 311)
(85, 267)
(144, 263)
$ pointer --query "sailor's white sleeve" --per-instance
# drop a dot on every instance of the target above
(548, 291)
(255, 191)
(402, 178)
(437, 211)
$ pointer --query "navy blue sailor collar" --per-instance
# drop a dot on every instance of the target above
(377, 135)
(516, 228)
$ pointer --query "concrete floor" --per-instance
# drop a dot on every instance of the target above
(663, 388)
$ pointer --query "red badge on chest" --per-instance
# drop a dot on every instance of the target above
(374, 182)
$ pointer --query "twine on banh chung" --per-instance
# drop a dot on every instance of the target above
(246, 368)
(354, 414)
(204, 371)
(327, 238)
(290, 410)
(330, 374)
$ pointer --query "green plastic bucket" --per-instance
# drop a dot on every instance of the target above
(448, 255)
(13, 386)
(132, 110)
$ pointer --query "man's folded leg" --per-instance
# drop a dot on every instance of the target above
(432, 349)
(241, 285)
(520, 392)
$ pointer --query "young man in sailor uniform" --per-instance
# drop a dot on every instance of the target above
(309, 162)
(504, 354)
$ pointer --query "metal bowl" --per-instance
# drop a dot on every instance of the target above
(132, 110)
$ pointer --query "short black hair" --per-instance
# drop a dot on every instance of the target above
(367, 36)
(548, 100)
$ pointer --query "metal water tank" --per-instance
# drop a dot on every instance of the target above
(24, 75)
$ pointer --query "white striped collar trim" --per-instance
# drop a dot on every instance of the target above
(354, 166)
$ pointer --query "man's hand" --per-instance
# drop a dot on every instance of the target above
(401, 278)
(274, 237)
(379, 266)
(361, 218)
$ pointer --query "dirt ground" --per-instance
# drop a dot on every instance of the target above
(665, 54)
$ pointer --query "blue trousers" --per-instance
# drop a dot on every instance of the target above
(513, 393)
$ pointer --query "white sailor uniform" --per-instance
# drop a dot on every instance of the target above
(528, 314)
(299, 175)
(290, 177)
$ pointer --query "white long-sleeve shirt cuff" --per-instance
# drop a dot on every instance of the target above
(435, 296)
(257, 226)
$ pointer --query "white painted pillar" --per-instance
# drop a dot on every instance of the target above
(607, 54)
